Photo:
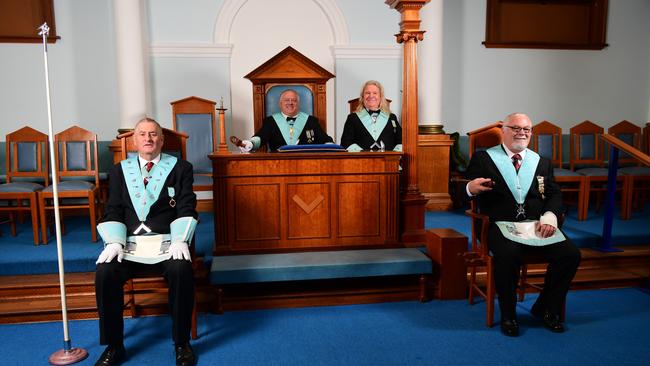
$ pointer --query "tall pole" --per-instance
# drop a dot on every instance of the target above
(412, 202)
(67, 355)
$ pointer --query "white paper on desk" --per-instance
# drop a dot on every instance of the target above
(148, 249)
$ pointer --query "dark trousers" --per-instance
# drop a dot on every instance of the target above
(109, 289)
(563, 259)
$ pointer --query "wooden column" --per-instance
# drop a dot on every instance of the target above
(412, 201)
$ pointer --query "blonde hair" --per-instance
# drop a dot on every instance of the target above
(383, 104)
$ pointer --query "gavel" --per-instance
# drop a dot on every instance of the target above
(236, 141)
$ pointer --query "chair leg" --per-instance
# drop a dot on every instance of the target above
(41, 210)
(33, 206)
(12, 223)
(472, 284)
(522, 282)
(490, 292)
(586, 194)
(194, 311)
(93, 219)
(628, 195)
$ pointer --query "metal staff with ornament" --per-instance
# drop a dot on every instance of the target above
(68, 355)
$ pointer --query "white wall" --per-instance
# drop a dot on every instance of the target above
(483, 85)
(82, 74)
(187, 58)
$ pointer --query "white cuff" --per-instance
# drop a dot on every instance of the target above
(548, 218)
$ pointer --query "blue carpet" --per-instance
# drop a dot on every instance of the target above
(20, 256)
(605, 327)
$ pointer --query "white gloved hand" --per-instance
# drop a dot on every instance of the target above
(180, 250)
(248, 146)
(109, 252)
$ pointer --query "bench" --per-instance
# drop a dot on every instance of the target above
(254, 268)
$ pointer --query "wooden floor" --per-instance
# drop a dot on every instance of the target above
(35, 298)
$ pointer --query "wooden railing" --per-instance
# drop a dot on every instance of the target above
(616, 145)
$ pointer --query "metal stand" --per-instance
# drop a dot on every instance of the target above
(68, 355)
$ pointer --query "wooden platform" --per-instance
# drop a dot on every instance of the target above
(36, 298)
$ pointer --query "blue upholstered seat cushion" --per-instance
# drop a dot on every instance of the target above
(72, 185)
(20, 187)
(202, 180)
(635, 170)
(594, 172)
(311, 148)
(318, 265)
(560, 172)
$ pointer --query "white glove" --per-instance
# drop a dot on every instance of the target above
(248, 146)
(109, 252)
(180, 250)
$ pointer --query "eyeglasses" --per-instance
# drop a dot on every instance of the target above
(526, 130)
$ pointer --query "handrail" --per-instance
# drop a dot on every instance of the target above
(630, 150)
(616, 145)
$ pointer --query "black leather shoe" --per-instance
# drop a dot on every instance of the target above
(510, 327)
(185, 355)
(551, 321)
(112, 356)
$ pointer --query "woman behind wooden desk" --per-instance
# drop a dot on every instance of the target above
(372, 126)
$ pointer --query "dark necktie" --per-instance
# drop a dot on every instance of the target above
(516, 161)
(373, 112)
(147, 166)
(291, 119)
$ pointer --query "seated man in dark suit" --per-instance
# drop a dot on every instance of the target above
(148, 194)
(289, 127)
(515, 187)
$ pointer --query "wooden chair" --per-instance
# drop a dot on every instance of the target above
(586, 157)
(27, 162)
(636, 178)
(479, 255)
(175, 143)
(547, 142)
(75, 153)
(196, 118)
(289, 69)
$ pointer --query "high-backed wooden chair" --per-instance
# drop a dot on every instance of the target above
(636, 178)
(174, 144)
(75, 153)
(479, 255)
(547, 142)
(196, 118)
(646, 138)
(587, 157)
(27, 162)
(289, 69)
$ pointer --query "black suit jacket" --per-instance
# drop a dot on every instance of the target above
(120, 208)
(499, 203)
(354, 132)
(270, 133)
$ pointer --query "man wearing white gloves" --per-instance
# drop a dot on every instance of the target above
(290, 126)
(148, 194)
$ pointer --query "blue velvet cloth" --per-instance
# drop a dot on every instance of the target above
(311, 148)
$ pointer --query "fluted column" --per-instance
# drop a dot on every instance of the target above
(412, 202)
(131, 67)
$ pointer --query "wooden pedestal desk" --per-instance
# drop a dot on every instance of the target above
(288, 202)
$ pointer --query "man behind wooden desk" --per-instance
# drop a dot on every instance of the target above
(289, 127)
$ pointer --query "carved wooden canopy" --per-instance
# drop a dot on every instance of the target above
(289, 68)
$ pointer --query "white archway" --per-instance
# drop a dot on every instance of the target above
(230, 8)
(251, 46)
